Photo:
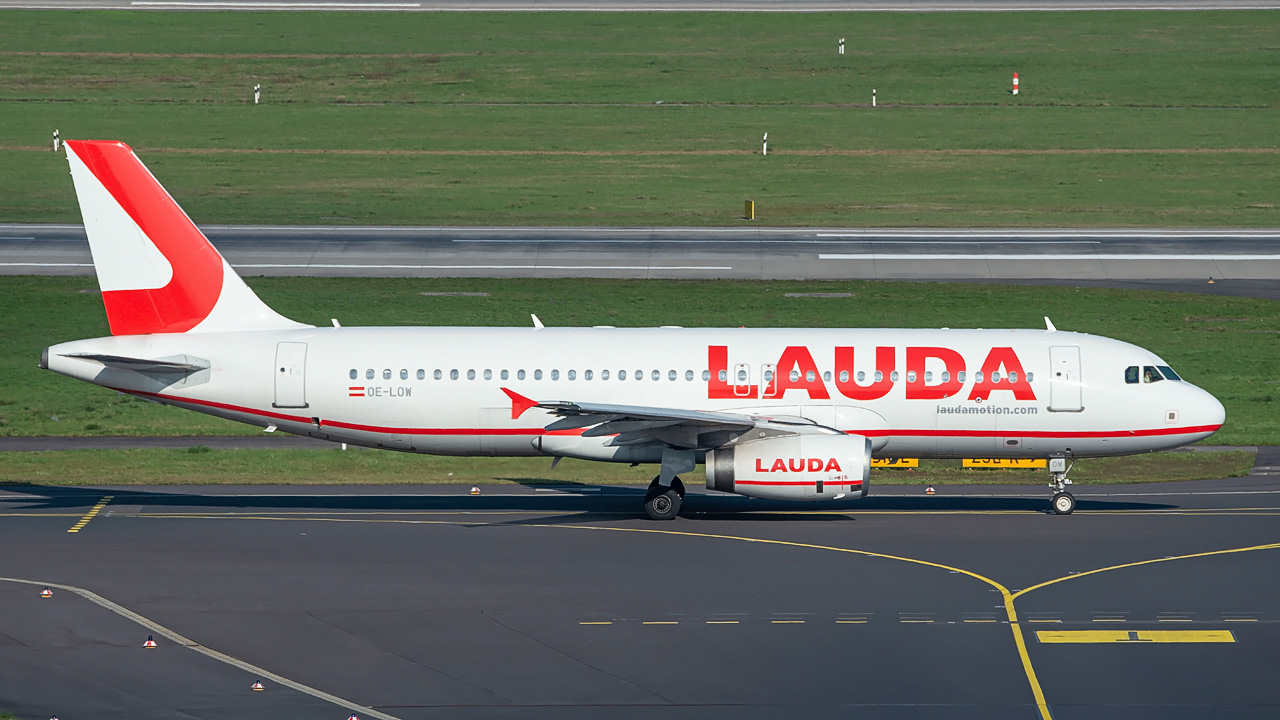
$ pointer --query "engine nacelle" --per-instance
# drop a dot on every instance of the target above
(796, 467)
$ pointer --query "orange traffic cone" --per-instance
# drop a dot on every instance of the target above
(353, 717)
(150, 644)
(475, 489)
(46, 593)
(928, 490)
(257, 685)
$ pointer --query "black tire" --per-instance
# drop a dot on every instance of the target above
(662, 503)
(1063, 504)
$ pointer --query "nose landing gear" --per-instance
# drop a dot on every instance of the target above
(1063, 502)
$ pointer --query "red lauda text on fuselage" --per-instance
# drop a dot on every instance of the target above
(796, 370)
(799, 465)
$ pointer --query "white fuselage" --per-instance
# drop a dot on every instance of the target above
(439, 390)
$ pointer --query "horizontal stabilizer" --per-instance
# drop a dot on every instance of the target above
(143, 365)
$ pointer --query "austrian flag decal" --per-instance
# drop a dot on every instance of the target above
(356, 391)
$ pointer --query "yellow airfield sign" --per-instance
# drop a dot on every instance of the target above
(1004, 463)
(895, 462)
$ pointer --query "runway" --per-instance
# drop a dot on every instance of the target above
(420, 602)
(1185, 259)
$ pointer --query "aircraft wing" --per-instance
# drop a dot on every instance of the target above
(675, 427)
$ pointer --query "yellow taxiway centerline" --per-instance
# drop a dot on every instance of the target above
(1050, 637)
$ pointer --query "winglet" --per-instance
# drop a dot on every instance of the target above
(1048, 325)
(537, 324)
(519, 403)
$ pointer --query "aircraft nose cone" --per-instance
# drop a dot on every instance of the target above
(1209, 413)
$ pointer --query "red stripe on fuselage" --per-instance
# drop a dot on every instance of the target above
(533, 431)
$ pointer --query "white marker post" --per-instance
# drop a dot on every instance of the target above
(764, 149)
(841, 46)
(873, 97)
(257, 93)
(57, 141)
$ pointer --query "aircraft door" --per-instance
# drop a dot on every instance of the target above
(769, 376)
(291, 368)
(1064, 379)
(742, 380)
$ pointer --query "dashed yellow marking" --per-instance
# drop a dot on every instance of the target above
(722, 622)
(661, 622)
(851, 622)
(787, 622)
(981, 621)
(1044, 620)
(604, 622)
(90, 515)
(1240, 620)
(1135, 636)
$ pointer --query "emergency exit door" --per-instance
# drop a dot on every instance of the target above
(1064, 379)
(291, 375)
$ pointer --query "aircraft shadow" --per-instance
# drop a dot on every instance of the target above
(565, 503)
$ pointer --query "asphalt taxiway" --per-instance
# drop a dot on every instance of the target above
(419, 602)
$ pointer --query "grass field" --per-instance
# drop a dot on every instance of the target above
(357, 466)
(1226, 345)
(490, 118)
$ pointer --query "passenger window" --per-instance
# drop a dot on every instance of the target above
(995, 377)
(368, 374)
(1150, 374)
(911, 376)
(354, 374)
(1131, 375)
(724, 376)
(504, 375)
(688, 374)
(844, 376)
(809, 376)
(862, 377)
(1031, 377)
(928, 376)
(946, 376)
(960, 376)
(1013, 376)
(422, 374)
(671, 374)
(622, 374)
(471, 374)
(768, 376)
(795, 375)
(586, 374)
(537, 374)
(893, 376)
(520, 374)
(404, 374)
(657, 374)
(604, 374)
(706, 375)
(453, 374)
(977, 377)
(879, 376)
(555, 374)
(826, 376)
(436, 374)
(639, 374)
(386, 374)
(742, 376)
(488, 374)
(572, 374)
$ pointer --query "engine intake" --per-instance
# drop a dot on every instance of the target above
(796, 467)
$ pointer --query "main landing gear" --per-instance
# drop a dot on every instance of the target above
(663, 502)
(1063, 503)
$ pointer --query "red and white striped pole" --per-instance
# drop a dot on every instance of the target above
(1015, 83)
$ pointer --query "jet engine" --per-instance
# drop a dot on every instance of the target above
(793, 467)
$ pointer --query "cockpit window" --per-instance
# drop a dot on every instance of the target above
(1131, 374)
(1168, 372)
(1150, 374)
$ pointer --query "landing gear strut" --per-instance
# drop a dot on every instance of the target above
(663, 502)
(1063, 503)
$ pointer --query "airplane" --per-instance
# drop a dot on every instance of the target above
(793, 414)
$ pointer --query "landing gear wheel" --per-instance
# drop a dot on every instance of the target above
(663, 503)
(1063, 503)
